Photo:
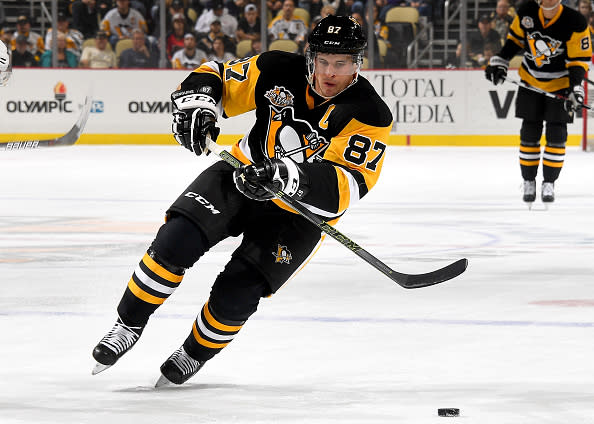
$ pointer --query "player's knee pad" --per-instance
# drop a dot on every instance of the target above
(556, 134)
(531, 132)
(237, 291)
(179, 243)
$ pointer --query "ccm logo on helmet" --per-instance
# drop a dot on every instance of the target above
(202, 201)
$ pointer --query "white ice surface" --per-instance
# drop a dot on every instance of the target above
(509, 341)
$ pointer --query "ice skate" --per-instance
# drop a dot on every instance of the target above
(178, 368)
(548, 192)
(116, 342)
(529, 192)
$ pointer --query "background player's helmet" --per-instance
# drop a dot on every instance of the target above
(335, 35)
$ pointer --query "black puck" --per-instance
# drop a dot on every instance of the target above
(448, 412)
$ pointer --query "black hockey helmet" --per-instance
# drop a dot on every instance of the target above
(335, 35)
(338, 35)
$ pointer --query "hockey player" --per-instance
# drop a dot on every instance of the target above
(5, 64)
(557, 51)
(320, 136)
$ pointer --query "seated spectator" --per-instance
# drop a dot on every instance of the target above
(248, 27)
(85, 17)
(189, 57)
(585, 7)
(324, 11)
(256, 48)
(206, 41)
(501, 19)
(74, 37)
(376, 56)
(175, 40)
(478, 40)
(98, 57)
(287, 26)
(139, 55)
(218, 52)
(176, 7)
(121, 20)
(66, 58)
(220, 13)
(275, 5)
(21, 56)
(35, 41)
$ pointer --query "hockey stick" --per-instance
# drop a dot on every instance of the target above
(408, 281)
(546, 93)
(67, 139)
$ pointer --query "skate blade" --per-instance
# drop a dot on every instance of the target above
(162, 382)
(99, 368)
(529, 204)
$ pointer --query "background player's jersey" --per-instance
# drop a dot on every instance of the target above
(551, 48)
(340, 142)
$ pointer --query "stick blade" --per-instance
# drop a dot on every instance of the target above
(415, 281)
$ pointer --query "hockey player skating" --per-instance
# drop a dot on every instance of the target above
(557, 50)
(320, 136)
(5, 64)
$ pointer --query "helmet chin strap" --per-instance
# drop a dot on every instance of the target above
(549, 8)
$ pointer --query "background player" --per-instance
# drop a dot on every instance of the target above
(320, 135)
(5, 65)
(557, 48)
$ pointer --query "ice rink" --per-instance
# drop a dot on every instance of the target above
(509, 341)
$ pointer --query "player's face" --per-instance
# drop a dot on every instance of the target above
(333, 73)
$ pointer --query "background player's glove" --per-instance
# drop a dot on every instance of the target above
(575, 98)
(496, 70)
(280, 174)
(194, 116)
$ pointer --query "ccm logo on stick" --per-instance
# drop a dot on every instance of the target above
(202, 201)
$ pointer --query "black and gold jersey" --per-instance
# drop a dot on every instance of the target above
(552, 47)
(340, 142)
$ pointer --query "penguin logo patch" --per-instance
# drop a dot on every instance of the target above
(280, 96)
(282, 255)
(294, 138)
(542, 48)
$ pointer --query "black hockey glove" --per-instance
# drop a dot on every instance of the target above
(496, 70)
(194, 117)
(575, 99)
(279, 174)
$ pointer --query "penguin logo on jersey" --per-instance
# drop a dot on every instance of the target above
(282, 255)
(280, 96)
(542, 48)
(293, 137)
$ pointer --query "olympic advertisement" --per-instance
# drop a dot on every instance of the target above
(429, 107)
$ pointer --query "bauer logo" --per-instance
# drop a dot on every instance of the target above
(58, 105)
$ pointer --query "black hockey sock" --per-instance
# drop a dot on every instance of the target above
(529, 160)
(552, 162)
(210, 334)
(151, 284)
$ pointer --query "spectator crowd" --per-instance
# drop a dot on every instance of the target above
(126, 33)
